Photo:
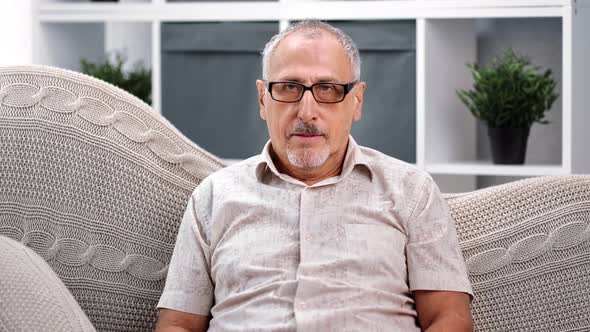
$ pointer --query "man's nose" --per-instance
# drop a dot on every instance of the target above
(308, 107)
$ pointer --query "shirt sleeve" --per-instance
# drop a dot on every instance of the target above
(188, 285)
(434, 257)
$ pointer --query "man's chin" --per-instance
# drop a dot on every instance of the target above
(307, 159)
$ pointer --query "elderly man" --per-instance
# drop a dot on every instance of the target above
(317, 233)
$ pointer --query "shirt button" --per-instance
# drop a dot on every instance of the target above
(308, 237)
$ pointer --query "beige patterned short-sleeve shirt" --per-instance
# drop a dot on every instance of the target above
(262, 251)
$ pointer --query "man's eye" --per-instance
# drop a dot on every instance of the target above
(326, 87)
(290, 86)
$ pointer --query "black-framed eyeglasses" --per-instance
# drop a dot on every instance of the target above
(323, 92)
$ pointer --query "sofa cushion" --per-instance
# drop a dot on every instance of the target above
(32, 297)
(95, 182)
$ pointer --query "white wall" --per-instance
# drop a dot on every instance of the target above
(16, 32)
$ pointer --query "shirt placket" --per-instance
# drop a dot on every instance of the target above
(306, 239)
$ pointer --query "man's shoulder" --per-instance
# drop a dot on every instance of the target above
(234, 171)
(235, 176)
(391, 167)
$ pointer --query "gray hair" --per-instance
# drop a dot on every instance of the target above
(316, 28)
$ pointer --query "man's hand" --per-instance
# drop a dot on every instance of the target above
(178, 321)
(443, 311)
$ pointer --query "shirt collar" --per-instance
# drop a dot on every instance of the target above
(354, 157)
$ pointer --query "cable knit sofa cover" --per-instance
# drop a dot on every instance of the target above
(527, 249)
(95, 183)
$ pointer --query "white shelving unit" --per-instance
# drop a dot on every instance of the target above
(446, 39)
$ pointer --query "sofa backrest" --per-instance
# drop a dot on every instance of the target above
(527, 249)
(96, 183)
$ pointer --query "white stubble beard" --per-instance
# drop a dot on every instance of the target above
(307, 157)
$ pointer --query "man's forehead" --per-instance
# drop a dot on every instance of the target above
(320, 49)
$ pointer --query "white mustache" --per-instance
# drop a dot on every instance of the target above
(305, 129)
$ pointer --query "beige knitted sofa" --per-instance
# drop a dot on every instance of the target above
(93, 185)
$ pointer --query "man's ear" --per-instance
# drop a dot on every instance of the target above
(261, 87)
(358, 94)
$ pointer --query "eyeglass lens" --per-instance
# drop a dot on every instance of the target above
(322, 92)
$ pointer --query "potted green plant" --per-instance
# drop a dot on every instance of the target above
(137, 81)
(509, 96)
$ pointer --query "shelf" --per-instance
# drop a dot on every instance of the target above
(96, 12)
(451, 134)
(487, 168)
(65, 44)
(450, 143)
(274, 11)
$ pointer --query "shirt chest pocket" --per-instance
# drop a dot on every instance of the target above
(375, 251)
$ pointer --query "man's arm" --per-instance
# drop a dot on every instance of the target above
(178, 321)
(443, 311)
(188, 288)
